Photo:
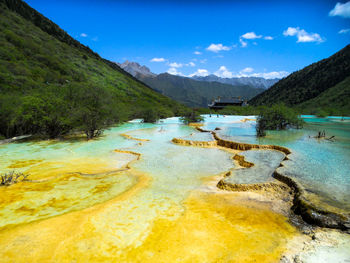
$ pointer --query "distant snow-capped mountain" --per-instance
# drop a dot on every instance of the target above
(135, 68)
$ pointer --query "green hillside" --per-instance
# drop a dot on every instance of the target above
(322, 84)
(51, 84)
(333, 101)
(195, 93)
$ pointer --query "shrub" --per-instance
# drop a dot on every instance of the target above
(150, 115)
(164, 112)
(238, 110)
(92, 111)
(277, 117)
(12, 178)
(191, 117)
(14, 39)
(321, 113)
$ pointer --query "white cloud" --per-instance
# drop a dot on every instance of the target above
(157, 60)
(291, 31)
(302, 35)
(223, 72)
(341, 10)
(173, 71)
(344, 31)
(175, 65)
(83, 35)
(200, 73)
(197, 53)
(251, 35)
(180, 65)
(203, 61)
(247, 70)
(217, 47)
(271, 75)
(243, 43)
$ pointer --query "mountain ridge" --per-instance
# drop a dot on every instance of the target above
(311, 82)
(196, 93)
(135, 68)
(257, 82)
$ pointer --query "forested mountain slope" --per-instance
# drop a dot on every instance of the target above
(195, 93)
(333, 101)
(311, 82)
(51, 84)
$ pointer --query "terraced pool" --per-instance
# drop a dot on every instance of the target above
(133, 195)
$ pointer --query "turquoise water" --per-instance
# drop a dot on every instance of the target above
(265, 163)
(118, 199)
(321, 166)
(70, 175)
(199, 136)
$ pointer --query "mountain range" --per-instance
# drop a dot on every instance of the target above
(136, 69)
(321, 86)
(198, 91)
(255, 82)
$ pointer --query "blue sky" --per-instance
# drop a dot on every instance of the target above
(227, 38)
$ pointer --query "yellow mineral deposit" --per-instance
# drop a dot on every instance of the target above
(212, 228)
(247, 119)
(133, 138)
(90, 209)
(195, 124)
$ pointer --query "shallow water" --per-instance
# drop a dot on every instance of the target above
(86, 202)
(321, 166)
(265, 163)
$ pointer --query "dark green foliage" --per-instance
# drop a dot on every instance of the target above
(319, 80)
(321, 113)
(92, 112)
(237, 110)
(13, 177)
(196, 93)
(332, 102)
(50, 84)
(203, 110)
(191, 117)
(150, 115)
(276, 117)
